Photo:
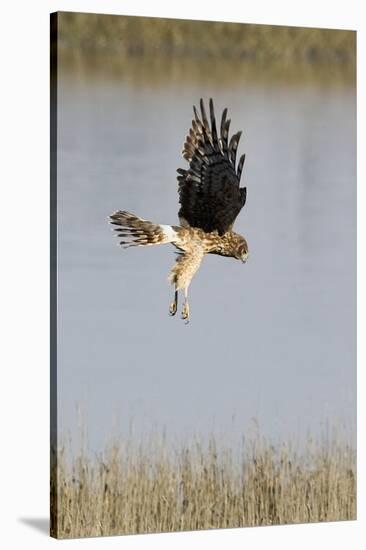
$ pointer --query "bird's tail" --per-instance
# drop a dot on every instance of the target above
(135, 231)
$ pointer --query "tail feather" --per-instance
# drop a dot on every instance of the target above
(135, 231)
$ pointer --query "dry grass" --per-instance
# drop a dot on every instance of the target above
(144, 36)
(148, 489)
(158, 50)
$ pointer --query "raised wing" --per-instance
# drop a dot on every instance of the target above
(209, 192)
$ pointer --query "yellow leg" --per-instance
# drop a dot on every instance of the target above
(173, 306)
(185, 310)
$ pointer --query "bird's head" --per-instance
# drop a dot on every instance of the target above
(241, 249)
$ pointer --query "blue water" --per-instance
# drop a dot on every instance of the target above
(274, 339)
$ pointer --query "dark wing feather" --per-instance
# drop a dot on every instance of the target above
(209, 192)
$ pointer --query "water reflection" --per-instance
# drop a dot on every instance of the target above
(158, 72)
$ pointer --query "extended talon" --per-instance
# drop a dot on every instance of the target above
(185, 312)
(173, 308)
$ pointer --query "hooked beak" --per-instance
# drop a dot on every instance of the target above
(244, 258)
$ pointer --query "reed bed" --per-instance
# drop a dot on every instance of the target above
(148, 36)
(160, 51)
(150, 488)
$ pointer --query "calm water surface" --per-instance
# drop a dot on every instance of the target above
(273, 339)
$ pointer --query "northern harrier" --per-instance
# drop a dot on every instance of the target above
(210, 200)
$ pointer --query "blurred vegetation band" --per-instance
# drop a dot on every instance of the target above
(150, 37)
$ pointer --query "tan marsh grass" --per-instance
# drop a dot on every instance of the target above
(147, 488)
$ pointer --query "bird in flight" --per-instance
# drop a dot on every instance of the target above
(210, 199)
